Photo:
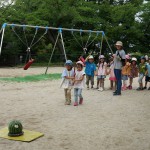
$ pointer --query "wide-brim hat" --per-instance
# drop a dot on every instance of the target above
(119, 43)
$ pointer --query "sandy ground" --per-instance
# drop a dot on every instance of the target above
(103, 122)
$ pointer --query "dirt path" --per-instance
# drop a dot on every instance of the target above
(103, 122)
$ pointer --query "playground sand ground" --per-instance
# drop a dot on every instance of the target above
(103, 122)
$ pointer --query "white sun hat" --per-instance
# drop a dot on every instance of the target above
(91, 57)
(101, 56)
(133, 59)
(80, 62)
(119, 43)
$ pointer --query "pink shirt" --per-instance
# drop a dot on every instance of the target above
(102, 69)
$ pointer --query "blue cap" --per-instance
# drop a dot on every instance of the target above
(69, 62)
(143, 57)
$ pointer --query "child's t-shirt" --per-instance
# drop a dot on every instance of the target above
(90, 68)
(142, 68)
(126, 70)
(67, 83)
(79, 84)
(102, 69)
(134, 71)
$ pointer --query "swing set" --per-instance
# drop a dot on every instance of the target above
(29, 46)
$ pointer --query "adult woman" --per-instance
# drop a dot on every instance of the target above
(119, 61)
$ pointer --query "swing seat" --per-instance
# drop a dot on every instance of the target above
(28, 64)
(82, 59)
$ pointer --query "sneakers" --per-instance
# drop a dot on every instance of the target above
(144, 88)
(89, 87)
(81, 101)
(149, 88)
(75, 103)
(124, 88)
(130, 87)
(117, 94)
(139, 89)
(101, 89)
(68, 102)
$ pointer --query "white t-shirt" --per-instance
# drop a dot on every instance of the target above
(67, 83)
(102, 69)
(78, 75)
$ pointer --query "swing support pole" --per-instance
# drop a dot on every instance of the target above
(3, 31)
(101, 44)
(52, 53)
(62, 41)
(108, 44)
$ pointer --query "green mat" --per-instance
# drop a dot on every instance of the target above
(33, 78)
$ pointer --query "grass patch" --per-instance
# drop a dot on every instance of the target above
(33, 78)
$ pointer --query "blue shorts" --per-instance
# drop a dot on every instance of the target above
(147, 78)
(101, 77)
(124, 77)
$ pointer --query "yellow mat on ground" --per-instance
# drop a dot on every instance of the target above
(28, 136)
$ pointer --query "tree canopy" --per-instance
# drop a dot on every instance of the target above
(127, 21)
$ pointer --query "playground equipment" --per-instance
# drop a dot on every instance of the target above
(59, 35)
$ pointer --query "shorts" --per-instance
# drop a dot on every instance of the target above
(101, 77)
(147, 78)
(141, 76)
(124, 77)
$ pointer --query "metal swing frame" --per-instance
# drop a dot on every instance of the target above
(60, 30)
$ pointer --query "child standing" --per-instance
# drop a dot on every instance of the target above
(79, 83)
(112, 77)
(133, 72)
(90, 70)
(67, 82)
(148, 72)
(142, 71)
(102, 68)
(146, 76)
(126, 72)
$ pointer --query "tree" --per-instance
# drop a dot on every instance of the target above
(118, 19)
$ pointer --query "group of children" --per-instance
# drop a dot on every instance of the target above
(75, 78)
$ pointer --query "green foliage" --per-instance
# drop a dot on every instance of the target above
(118, 19)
